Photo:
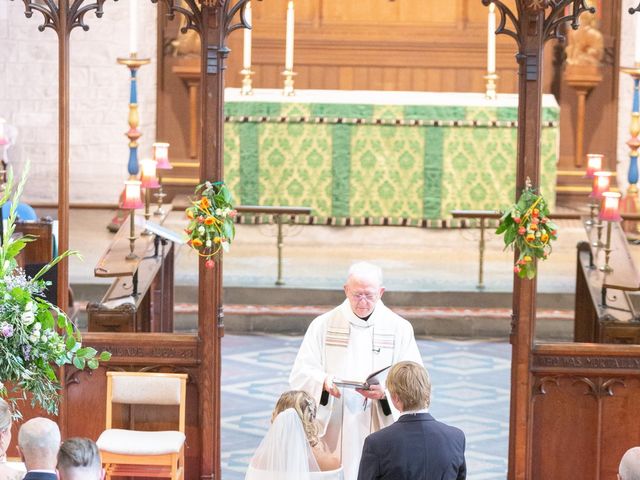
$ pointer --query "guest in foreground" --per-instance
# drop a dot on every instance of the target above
(39, 442)
(629, 468)
(353, 340)
(416, 447)
(79, 459)
(6, 472)
(291, 449)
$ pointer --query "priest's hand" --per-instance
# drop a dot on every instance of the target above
(375, 392)
(331, 388)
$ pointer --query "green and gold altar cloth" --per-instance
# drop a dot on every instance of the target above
(379, 157)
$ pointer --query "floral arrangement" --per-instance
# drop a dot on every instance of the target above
(35, 336)
(211, 228)
(527, 227)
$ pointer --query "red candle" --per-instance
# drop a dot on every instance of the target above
(594, 164)
(161, 155)
(601, 182)
(610, 209)
(132, 198)
(148, 174)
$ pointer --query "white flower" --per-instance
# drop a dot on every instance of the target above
(218, 211)
(208, 243)
(27, 315)
(201, 230)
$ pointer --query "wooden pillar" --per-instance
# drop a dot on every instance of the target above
(210, 324)
(530, 23)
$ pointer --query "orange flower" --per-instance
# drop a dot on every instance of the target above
(189, 213)
(209, 220)
(196, 242)
(544, 237)
(204, 202)
(531, 237)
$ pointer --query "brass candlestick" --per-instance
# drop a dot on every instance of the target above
(247, 82)
(491, 87)
(598, 243)
(288, 90)
(593, 207)
(132, 237)
(147, 213)
(607, 252)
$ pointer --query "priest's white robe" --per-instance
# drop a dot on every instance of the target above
(353, 349)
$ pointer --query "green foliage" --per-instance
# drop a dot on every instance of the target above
(35, 335)
(526, 227)
(211, 228)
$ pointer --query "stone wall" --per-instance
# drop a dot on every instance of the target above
(99, 99)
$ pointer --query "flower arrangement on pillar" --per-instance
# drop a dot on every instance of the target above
(35, 335)
(527, 227)
(211, 228)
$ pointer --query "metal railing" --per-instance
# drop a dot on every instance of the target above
(278, 213)
(483, 215)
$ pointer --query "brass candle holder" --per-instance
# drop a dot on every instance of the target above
(247, 82)
(491, 86)
(610, 211)
(598, 243)
(131, 202)
(288, 90)
(607, 251)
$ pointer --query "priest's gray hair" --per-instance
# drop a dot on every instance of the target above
(5, 416)
(366, 271)
(630, 465)
(79, 459)
(39, 441)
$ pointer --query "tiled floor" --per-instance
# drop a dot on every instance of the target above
(470, 390)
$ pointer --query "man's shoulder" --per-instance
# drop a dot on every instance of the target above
(386, 434)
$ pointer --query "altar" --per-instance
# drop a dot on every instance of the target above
(373, 157)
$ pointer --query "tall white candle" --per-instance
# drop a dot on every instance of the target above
(133, 27)
(636, 25)
(246, 57)
(288, 60)
(491, 40)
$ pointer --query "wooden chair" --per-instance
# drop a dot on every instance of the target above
(134, 453)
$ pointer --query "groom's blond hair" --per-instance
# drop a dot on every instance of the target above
(409, 381)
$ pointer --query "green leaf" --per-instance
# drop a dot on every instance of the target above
(531, 272)
(105, 356)
(510, 236)
(86, 352)
(71, 342)
(79, 363)
(92, 364)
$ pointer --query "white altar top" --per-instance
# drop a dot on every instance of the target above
(372, 97)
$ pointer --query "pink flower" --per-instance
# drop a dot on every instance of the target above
(210, 264)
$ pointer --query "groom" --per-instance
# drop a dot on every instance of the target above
(416, 447)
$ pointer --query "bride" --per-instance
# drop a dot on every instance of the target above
(291, 449)
(6, 472)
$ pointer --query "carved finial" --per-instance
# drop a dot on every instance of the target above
(538, 4)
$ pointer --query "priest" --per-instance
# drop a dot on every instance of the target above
(355, 339)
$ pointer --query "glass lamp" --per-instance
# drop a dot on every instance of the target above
(161, 156)
(601, 182)
(132, 201)
(609, 212)
(148, 180)
(594, 164)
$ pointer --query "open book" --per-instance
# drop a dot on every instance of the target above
(373, 379)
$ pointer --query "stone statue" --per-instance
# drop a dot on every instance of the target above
(585, 45)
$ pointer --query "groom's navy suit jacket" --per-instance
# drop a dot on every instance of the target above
(40, 476)
(416, 447)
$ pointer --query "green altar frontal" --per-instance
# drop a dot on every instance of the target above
(379, 163)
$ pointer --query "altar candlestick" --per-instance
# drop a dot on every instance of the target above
(288, 62)
(491, 40)
(246, 57)
(133, 27)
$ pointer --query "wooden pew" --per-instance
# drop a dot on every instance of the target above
(604, 313)
(140, 299)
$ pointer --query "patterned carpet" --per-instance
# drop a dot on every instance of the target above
(470, 390)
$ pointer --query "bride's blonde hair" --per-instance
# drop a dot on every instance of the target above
(305, 407)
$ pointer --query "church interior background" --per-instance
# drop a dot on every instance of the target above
(388, 130)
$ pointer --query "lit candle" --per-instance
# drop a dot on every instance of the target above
(161, 155)
(133, 27)
(491, 40)
(610, 209)
(246, 58)
(594, 164)
(148, 174)
(132, 198)
(288, 61)
(601, 182)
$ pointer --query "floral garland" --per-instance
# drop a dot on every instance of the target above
(211, 228)
(35, 335)
(527, 227)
